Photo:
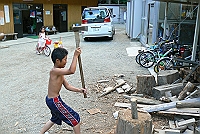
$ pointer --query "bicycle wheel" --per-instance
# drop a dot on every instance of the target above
(146, 59)
(164, 64)
(47, 51)
(137, 58)
(155, 68)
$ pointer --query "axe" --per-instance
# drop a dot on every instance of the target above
(76, 30)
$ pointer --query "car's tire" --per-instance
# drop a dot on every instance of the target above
(86, 39)
(114, 32)
(111, 38)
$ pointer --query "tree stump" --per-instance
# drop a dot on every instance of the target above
(127, 125)
(145, 83)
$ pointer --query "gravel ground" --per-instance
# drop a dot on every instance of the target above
(24, 81)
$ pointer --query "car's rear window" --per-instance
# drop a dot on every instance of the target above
(94, 15)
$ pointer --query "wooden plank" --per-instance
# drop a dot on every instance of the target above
(159, 131)
(187, 122)
(177, 113)
(128, 105)
(123, 105)
(185, 110)
(172, 131)
(143, 100)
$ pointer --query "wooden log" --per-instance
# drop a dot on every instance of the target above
(145, 83)
(186, 104)
(159, 91)
(191, 72)
(167, 106)
(143, 100)
(189, 87)
(134, 111)
(167, 77)
(127, 125)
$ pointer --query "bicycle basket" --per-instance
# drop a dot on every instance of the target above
(48, 42)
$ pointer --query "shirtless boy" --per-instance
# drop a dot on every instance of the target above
(59, 110)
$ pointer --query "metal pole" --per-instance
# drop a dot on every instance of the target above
(196, 35)
(165, 21)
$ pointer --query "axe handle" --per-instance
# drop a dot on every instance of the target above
(77, 39)
(82, 76)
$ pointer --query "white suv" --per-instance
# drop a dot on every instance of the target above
(99, 22)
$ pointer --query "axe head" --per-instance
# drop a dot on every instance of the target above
(79, 28)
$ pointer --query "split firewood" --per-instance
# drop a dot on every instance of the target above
(120, 90)
(102, 81)
(189, 87)
(112, 89)
(192, 94)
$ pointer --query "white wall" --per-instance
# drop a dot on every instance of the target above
(118, 10)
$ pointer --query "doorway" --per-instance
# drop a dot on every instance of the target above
(60, 17)
(28, 19)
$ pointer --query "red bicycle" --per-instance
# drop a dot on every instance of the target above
(46, 49)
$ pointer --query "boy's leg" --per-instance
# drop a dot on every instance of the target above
(77, 129)
(46, 127)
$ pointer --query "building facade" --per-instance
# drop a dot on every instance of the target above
(28, 16)
(148, 19)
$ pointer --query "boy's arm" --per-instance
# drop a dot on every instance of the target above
(72, 68)
(72, 88)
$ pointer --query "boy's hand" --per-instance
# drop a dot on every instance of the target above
(77, 51)
(82, 90)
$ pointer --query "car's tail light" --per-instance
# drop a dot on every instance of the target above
(84, 21)
(107, 19)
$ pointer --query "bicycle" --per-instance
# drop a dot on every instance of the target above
(175, 61)
(46, 49)
(148, 58)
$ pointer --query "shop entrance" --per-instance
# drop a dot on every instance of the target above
(28, 19)
(60, 17)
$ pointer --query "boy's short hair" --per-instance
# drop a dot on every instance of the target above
(58, 53)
